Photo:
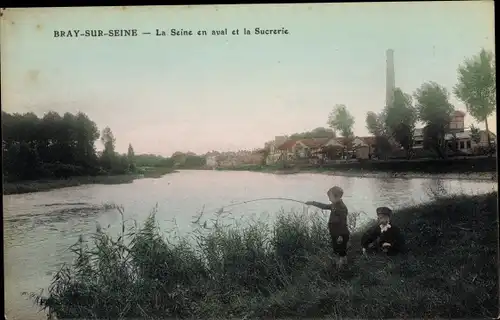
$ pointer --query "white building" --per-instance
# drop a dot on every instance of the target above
(463, 138)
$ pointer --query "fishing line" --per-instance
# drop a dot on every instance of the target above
(262, 199)
(221, 209)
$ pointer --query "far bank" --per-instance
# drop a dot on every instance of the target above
(20, 187)
(480, 168)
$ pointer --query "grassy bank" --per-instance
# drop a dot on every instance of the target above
(284, 270)
(481, 168)
(435, 166)
(20, 187)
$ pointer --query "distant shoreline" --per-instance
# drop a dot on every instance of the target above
(479, 176)
(22, 187)
(480, 168)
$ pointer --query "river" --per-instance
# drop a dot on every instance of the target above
(40, 227)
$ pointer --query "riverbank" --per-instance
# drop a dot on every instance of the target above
(477, 176)
(479, 168)
(284, 270)
(473, 176)
(20, 187)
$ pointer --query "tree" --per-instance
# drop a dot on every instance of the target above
(341, 120)
(400, 118)
(108, 156)
(434, 110)
(476, 87)
(315, 133)
(375, 124)
(131, 157)
(108, 140)
(48, 147)
(87, 134)
(475, 134)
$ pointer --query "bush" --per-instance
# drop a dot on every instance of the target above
(284, 270)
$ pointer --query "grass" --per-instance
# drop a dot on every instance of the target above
(284, 270)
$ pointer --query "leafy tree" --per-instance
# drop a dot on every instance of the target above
(131, 157)
(265, 153)
(56, 146)
(86, 134)
(108, 157)
(375, 123)
(52, 146)
(475, 134)
(194, 161)
(434, 110)
(315, 133)
(108, 140)
(152, 160)
(130, 151)
(476, 87)
(341, 120)
(400, 119)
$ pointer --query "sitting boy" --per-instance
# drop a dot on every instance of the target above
(384, 237)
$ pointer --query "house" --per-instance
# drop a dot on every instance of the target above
(457, 121)
(283, 148)
(457, 134)
(418, 138)
(211, 161)
(274, 153)
(466, 143)
(456, 125)
(287, 150)
(246, 157)
(361, 149)
(305, 148)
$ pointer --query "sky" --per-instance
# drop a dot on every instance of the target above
(196, 93)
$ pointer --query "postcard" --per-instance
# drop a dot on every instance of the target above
(250, 161)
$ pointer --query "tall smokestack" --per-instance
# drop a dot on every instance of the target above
(390, 82)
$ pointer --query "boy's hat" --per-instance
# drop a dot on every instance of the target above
(385, 211)
(336, 191)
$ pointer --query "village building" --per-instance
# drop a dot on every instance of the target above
(458, 138)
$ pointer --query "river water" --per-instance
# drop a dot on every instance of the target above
(40, 227)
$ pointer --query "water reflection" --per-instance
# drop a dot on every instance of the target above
(393, 192)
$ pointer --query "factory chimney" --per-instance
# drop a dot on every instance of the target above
(390, 82)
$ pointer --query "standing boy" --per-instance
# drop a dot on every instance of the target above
(337, 224)
(384, 237)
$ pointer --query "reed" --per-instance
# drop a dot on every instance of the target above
(283, 269)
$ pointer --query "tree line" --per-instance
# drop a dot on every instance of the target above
(56, 146)
(429, 104)
(60, 146)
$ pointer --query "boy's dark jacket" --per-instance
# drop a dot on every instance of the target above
(392, 235)
(338, 216)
